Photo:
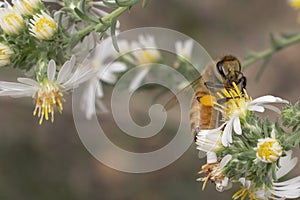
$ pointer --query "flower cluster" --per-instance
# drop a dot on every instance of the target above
(44, 43)
(251, 150)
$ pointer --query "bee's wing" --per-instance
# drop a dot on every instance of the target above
(174, 101)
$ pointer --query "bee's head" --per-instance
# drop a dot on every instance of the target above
(229, 68)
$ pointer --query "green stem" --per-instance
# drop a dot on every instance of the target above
(269, 52)
(106, 22)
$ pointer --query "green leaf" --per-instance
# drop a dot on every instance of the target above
(274, 42)
(80, 14)
(288, 35)
(126, 3)
(113, 34)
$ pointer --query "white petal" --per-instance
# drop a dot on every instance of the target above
(51, 70)
(227, 133)
(64, 72)
(256, 108)
(188, 47)
(108, 77)
(289, 182)
(117, 67)
(237, 125)
(268, 99)
(286, 194)
(29, 81)
(137, 80)
(13, 86)
(178, 46)
(211, 157)
(286, 166)
(17, 93)
(225, 161)
(99, 90)
(273, 108)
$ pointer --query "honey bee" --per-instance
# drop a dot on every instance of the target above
(215, 77)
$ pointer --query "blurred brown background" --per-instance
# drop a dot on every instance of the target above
(50, 162)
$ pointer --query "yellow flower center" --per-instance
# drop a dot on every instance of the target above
(5, 54)
(27, 6)
(48, 97)
(42, 24)
(236, 102)
(11, 17)
(147, 56)
(268, 150)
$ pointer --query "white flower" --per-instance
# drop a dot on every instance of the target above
(5, 54)
(26, 7)
(289, 189)
(103, 72)
(11, 22)
(48, 93)
(42, 26)
(237, 107)
(209, 140)
(144, 51)
(184, 49)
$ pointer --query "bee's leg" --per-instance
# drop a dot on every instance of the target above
(243, 81)
(211, 85)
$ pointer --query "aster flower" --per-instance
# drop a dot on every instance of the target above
(103, 72)
(213, 171)
(26, 7)
(48, 93)
(42, 26)
(237, 107)
(268, 149)
(5, 53)
(142, 52)
(11, 22)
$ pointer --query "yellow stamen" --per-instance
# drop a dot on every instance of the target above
(48, 97)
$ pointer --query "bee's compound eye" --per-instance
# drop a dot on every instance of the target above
(220, 68)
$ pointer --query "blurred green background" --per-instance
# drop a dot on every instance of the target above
(50, 162)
